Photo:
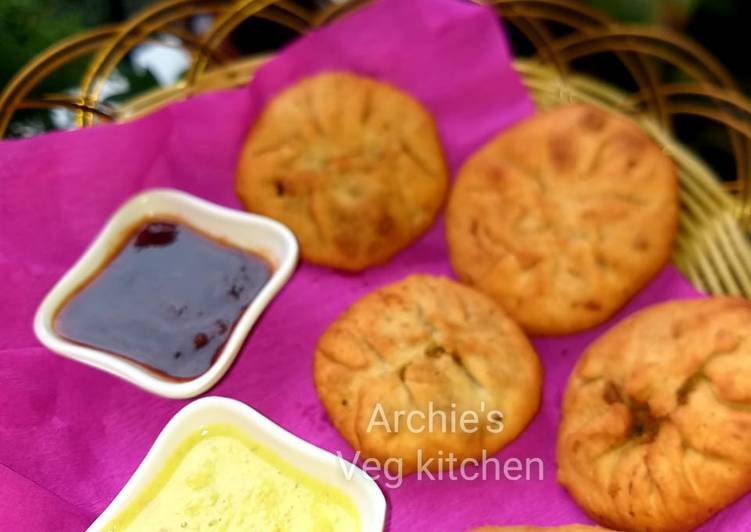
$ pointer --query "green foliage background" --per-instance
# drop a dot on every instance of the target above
(27, 27)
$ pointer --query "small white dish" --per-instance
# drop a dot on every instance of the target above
(306, 457)
(251, 232)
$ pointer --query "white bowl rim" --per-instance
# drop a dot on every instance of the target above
(374, 503)
(131, 371)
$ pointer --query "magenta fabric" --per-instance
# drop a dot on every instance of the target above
(70, 436)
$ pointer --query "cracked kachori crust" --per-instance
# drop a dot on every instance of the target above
(353, 166)
(563, 217)
(427, 342)
(656, 423)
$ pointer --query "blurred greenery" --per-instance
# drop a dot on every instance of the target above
(27, 27)
(659, 11)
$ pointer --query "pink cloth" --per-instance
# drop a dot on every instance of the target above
(70, 436)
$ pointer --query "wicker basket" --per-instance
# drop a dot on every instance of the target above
(712, 248)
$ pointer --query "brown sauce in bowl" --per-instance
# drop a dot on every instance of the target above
(167, 299)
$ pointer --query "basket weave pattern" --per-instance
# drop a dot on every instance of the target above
(712, 248)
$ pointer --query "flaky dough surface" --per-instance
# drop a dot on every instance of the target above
(352, 165)
(419, 342)
(656, 426)
(563, 217)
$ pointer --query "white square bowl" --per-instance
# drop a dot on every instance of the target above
(304, 456)
(242, 230)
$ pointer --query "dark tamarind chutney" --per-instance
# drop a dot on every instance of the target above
(167, 299)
